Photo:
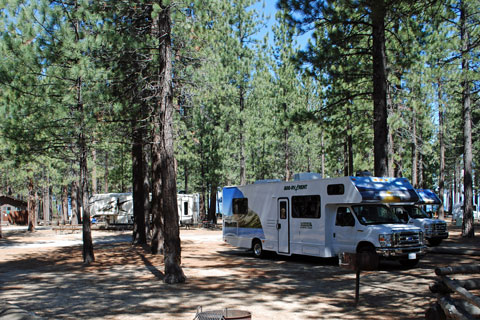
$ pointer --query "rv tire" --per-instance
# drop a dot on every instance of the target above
(257, 249)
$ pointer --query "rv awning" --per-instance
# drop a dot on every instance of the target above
(386, 190)
(427, 196)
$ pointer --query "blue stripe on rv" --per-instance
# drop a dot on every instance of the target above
(427, 196)
(245, 232)
(374, 189)
(230, 193)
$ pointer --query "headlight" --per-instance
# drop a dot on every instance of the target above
(385, 240)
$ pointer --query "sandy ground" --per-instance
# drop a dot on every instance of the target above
(43, 274)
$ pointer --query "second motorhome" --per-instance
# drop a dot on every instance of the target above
(323, 217)
(435, 230)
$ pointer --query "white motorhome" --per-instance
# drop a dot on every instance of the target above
(117, 208)
(322, 217)
(435, 230)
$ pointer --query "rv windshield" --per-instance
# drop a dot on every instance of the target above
(416, 212)
(375, 214)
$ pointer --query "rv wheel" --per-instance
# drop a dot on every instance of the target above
(257, 249)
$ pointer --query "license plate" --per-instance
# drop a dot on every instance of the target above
(412, 256)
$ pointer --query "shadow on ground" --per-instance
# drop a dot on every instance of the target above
(126, 282)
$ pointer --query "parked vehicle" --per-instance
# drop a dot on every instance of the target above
(435, 230)
(117, 208)
(323, 217)
(457, 213)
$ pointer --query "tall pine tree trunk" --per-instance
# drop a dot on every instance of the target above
(165, 110)
(243, 169)
(105, 177)
(88, 256)
(46, 203)
(441, 131)
(156, 204)
(414, 151)
(94, 170)
(468, 227)
(32, 206)
(212, 208)
(138, 176)
(64, 205)
(349, 142)
(380, 128)
(75, 209)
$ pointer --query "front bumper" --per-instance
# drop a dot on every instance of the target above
(442, 235)
(401, 251)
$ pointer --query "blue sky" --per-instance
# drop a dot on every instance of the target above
(269, 10)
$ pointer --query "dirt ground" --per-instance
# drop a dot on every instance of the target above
(43, 274)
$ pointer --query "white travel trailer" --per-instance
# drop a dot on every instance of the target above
(113, 208)
(117, 208)
(435, 230)
(188, 208)
(322, 217)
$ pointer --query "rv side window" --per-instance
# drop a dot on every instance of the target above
(306, 207)
(240, 206)
(344, 217)
(185, 208)
(335, 189)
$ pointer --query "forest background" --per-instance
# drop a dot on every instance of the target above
(75, 82)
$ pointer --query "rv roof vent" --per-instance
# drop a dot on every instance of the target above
(267, 181)
(364, 174)
(306, 176)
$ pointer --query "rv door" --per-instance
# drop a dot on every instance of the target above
(283, 228)
(344, 231)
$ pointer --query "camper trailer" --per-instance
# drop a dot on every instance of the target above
(323, 218)
(188, 208)
(435, 230)
(112, 208)
(117, 208)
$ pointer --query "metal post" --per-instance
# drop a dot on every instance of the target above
(357, 287)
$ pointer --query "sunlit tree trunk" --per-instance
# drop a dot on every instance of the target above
(468, 227)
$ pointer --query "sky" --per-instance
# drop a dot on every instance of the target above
(269, 10)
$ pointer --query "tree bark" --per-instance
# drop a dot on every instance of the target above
(380, 128)
(172, 248)
(65, 204)
(138, 176)
(94, 170)
(286, 146)
(88, 256)
(349, 142)
(32, 206)
(441, 132)
(46, 203)
(105, 177)
(243, 169)
(323, 153)
(468, 226)
(212, 208)
(414, 151)
(75, 209)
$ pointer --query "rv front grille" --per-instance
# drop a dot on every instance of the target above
(407, 239)
(440, 227)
